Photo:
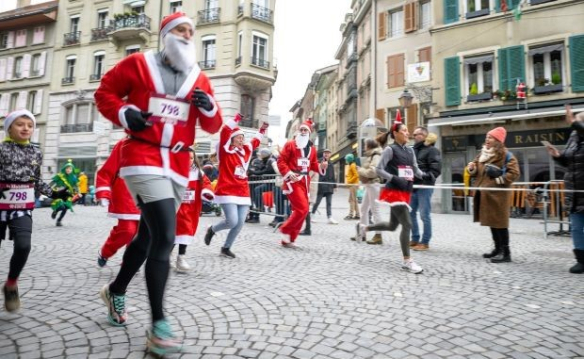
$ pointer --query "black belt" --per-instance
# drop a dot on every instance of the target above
(179, 146)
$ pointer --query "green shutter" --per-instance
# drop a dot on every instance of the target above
(452, 81)
(511, 67)
(450, 11)
(503, 71)
(577, 62)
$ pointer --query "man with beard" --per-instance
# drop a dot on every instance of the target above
(297, 158)
(158, 99)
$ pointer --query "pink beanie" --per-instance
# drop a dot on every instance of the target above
(498, 133)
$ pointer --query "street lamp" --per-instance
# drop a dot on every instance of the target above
(405, 99)
(422, 93)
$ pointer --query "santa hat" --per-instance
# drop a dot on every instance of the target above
(307, 124)
(171, 21)
(397, 122)
(236, 132)
(11, 117)
(498, 133)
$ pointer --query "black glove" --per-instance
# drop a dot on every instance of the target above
(202, 100)
(137, 120)
(2, 192)
(400, 183)
(61, 194)
(428, 177)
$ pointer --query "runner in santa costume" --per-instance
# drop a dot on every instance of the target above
(398, 166)
(297, 158)
(159, 98)
(112, 192)
(232, 191)
(187, 218)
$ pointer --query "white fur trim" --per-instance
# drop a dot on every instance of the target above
(125, 216)
(122, 114)
(99, 189)
(393, 204)
(236, 133)
(153, 170)
(184, 239)
(230, 123)
(211, 113)
(287, 175)
(206, 191)
(233, 199)
(154, 72)
(174, 23)
(185, 89)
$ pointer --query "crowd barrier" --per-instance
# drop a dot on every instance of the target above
(267, 197)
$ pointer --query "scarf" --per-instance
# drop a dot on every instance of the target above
(486, 154)
(25, 142)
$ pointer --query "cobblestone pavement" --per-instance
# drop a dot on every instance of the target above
(329, 298)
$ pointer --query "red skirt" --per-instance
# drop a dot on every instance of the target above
(394, 196)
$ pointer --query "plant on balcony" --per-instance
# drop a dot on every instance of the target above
(506, 95)
(556, 78)
(474, 90)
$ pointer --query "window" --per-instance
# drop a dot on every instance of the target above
(138, 9)
(38, 35)
(210, 4)
(208, 52)
(477, 8)
(102, 19)
(132, 49)
(239, 43)
(31, 100)
(79, 117)
(98, 66)
(425, 15)
(395, 71)
(69, 70)
(396, 19)
(546, 62)
(175, 6)
(247, 110)
(18, 68)
(13, 101)
(479, 77)
(4, 41)
(74, 26)
(20, 38)
(259, 51)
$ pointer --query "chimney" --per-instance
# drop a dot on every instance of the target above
(22, 3)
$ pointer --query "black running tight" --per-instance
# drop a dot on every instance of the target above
(20, 231)
(399, 215)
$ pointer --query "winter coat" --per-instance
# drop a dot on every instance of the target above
(493, 208)
(429, 161)
(327, 181)
(572, 158)
(352, 177)
(367, 172)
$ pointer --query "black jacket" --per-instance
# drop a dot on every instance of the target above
(329, 177)
(572, 158)
(429, 161)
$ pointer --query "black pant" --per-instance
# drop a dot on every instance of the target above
(20, 232)
(399, 215)
(63, 213)
(153, 243)
(329, 203)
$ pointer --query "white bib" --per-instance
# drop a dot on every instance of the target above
(18, 196)
(189, 196)
(169, 109)
(303, 162)
(240, 172)
(406, 172)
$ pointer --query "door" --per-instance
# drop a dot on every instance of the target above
(454, 200)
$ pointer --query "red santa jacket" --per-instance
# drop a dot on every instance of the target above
(158, 148)
(113, 188)
(187, 218)
(293, 160)
(232, 185)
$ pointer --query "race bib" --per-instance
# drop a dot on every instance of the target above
(16, 196)
(168, 109)
(405, 172)
(303, 162)
(240, 172)
(189, 196)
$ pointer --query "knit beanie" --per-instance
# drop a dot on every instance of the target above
(498, 133)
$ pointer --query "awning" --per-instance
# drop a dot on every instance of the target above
(478, 59)
(501, 116)
(546, 49)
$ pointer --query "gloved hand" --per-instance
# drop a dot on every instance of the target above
(104, 202)
(200, 99)
(3, 192)
(207, 196)
(264, 127)
(428, 177)
(61, 194)
(400, 183)
(238, 118)
(137, 120)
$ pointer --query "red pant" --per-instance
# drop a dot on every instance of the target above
(121, 235)
(299, 203)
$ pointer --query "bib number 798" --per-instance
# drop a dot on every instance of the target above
(169, 109)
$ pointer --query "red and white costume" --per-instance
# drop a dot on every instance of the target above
(187, 218)
(160, 148)
(299, 161)
(232, 185)
(110, 187)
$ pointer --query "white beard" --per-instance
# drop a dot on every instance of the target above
(301, 140)
(180, 52)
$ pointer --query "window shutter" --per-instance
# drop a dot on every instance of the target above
(409, 17)
(9, 68)
(20, 38)
(10, 40)
(382, 26)
(450, 11)
(412, 118)
(390, 74)
(380, 114)
(42, 61)
(21, 102)
(3, 69)
(503, 71)
(425, 55)
(26, 61)
(4, 103)
(511, 67)
(38, 102)
(577, 62)
(452, 80)
(400, 72)
(39, 35)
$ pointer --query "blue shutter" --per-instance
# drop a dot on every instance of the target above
(450, 11)
(452, 80)
(511, 67)
(577, 62)
(503, 70)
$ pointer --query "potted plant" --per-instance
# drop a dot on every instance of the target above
(474, 95)
(545, 86)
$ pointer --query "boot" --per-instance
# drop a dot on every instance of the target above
(578, 268)
(495, 251)
(376, 239)
(504, 255)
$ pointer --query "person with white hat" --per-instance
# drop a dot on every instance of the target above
(20, 177)
(159, 99)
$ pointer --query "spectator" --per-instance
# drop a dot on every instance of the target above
(370, 179)
(352, 179)
(326, 188)
(83, 188)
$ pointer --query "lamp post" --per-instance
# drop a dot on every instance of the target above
(422, 93)
(405, 99)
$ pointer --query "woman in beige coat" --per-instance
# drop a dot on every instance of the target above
(494, 167)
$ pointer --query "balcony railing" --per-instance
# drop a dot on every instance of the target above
(78, 127)
(34, 73)
(208, 16)
(207, 64)
(238, 61)
(95, 77)
(137, 21)
(67, 80)
(72, 38)
(99, 33)
(262, 13)
(17, 75)
(260, 62)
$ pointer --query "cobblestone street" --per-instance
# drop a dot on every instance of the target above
(329, 298)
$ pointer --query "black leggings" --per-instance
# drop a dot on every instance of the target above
(153, 243)
(182, 249)
(20, 232)
(399, 215)
(63, 213)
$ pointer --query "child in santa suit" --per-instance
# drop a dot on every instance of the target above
(112, 192)
(187, 218)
